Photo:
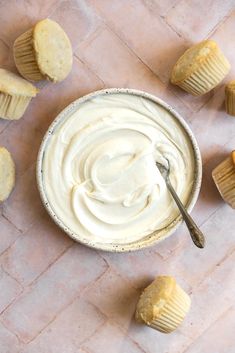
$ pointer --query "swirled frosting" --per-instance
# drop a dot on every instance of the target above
(99, 168)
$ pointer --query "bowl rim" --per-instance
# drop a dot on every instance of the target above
(156, 236)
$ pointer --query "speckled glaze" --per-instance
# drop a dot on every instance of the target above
(152, 238)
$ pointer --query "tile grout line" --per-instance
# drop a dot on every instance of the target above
(98, 327)
(95, 305)
(125, 279)
(52, 320)
(12, 332)
(89, 68)
(213, 269)
(30, 286)
(173, 29)
(195, 339)
(114, 323)
(123, 41)
(33, 283)
(224, 145)
(175, 251)
(96, 330)
(141, 61)
(11, 276)
(170, 7)
(12, 302)
(113, 268)
(10, 221)
(220, 23)
(55, 9)
(5, 43)
(214, 90)
(17, 296)
(23, 291)
(5, 127)
(209, 34)
(99, 252)
(61, 310)
(97, 279)
(127, 335)
(91, 37)
(170, 89)
(8, 248)
(211, 215)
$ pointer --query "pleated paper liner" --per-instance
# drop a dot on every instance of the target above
(230, 98)
(25, 57)
(163, 305)
(210, 73)
(173, 313)
(200, 69)
(12, 107)
(224, 178)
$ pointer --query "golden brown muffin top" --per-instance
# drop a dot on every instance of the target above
(193, 58)
(53, 50)
(13, 84)
(230, 86)
(7, 173)
(154, 298)
(233, 157)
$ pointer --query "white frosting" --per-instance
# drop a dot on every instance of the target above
(99, 169)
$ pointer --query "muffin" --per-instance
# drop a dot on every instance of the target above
(43, 52)
(200, 68)
(224, 178)
(7, 174)
(230, 98)
(15, 95)
(163, 305)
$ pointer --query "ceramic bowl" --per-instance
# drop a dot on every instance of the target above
(152, 238)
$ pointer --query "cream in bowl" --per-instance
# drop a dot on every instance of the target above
(97, 169)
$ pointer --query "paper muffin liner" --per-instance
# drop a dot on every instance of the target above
(224, 178)
(208, 75)
(12, 107)
(173, 312)
(230, 99)
(25, 57)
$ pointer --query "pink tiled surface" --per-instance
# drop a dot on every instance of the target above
(57, 296)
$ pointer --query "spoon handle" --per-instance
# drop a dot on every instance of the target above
(196, 235)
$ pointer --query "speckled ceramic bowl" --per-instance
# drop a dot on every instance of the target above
(152, 238)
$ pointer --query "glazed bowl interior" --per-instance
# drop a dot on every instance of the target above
(149, 239)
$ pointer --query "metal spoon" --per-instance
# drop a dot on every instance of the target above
(196, 235)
